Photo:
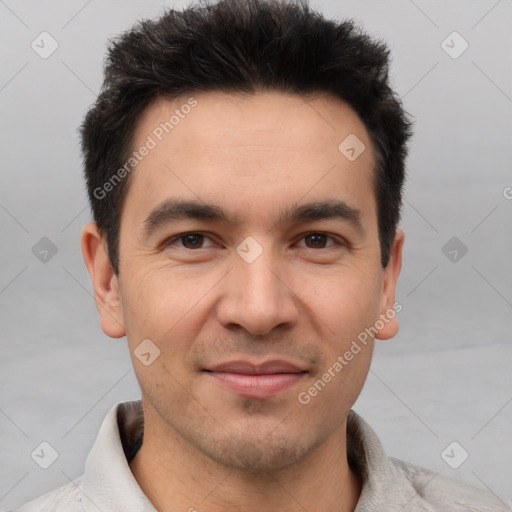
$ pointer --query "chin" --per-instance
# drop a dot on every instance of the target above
(258, 454)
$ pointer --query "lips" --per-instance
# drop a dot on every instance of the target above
(247, 368)
(261, 380)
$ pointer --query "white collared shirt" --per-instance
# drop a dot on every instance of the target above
(389, 485)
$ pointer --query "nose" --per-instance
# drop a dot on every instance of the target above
(258, 296)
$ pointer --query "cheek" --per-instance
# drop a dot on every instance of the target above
(348, 302)
(162, 313)
(161, 305)
(350, 309)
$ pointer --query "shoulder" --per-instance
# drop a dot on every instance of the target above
(65, 498)
(438, 493)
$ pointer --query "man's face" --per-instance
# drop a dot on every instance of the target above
(256, 288)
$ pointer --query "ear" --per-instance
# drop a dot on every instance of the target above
(104, 281)
(391, 273)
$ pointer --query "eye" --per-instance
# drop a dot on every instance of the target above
(318, 240)
(188, 240)
(194, 240)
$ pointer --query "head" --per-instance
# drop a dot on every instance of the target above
(272, 137)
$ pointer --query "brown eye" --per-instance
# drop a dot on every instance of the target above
(192, 241)
(317, 240)
(187, 241)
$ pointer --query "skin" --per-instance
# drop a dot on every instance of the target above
(303, 300)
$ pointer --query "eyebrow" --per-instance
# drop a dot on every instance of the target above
(172, 210)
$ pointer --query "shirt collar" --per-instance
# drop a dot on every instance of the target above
(385, 487)
(109, 484)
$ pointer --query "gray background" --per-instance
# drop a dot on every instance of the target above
(445, 377)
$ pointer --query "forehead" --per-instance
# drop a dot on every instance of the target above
(274, 117)
(250, 152)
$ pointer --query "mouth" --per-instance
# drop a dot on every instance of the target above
(262, 380)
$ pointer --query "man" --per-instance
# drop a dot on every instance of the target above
(244, 164)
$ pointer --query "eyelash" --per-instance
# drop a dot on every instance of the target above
(169, 242)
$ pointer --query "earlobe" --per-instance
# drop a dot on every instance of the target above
(104, 281)
(389, 307)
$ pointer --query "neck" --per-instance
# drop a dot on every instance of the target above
(176, 477)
